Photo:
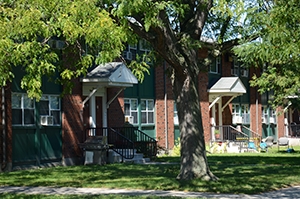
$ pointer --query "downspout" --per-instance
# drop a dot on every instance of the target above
(166, 109)
(3, 131)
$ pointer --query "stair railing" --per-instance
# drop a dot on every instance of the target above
(116, 141)
(143, 143)
(230, 133)
(252, 135)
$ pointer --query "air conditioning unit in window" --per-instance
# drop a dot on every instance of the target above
(46, 120)
(272, 120)
(239, 119)
(129, 119)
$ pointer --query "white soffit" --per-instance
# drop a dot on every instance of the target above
(228, 86)
(113, 74)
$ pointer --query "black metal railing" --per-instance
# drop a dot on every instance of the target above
(116, 141)
(143, 143)
(228, 132)
(121, 144)
(129, 138)
(294, 130)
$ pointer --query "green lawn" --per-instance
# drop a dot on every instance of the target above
(23, 196)
(247, 173)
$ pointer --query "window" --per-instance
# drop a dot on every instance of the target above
(245, 112)
(176, 120)
(50, 106)
(144, 45)
(215, 66)
(268, 115)
(235, 113)
(131, 109)
(240, 113)
(238, 69)
(147, 111)
(264, 117)
(273, 116)
(22, 110)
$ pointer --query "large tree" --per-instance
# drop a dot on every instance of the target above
(175, 30)
(276, 51)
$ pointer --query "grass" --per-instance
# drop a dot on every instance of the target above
(247, 173)
(23, 196)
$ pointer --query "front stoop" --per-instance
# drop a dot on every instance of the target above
(138, 158)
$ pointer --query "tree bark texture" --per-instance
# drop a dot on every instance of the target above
(193, 153)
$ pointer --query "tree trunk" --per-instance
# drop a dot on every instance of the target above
(193, 153)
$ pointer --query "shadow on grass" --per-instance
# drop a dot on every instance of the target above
(237, 173)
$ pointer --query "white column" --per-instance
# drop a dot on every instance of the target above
(213, 122)
(92, 119)
(220, 117)
(104, 108)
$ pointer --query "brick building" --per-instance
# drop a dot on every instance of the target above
(48, 131)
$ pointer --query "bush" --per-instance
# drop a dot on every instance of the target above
(176, 148)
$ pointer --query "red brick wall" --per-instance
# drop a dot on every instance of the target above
(255, 105)
(204, 104)
(9, 136)
(226, 72)
(72, 113)
(280, 123)
(115, 115)
(72, 122)
(164, 105)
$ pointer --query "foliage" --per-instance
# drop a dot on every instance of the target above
(276, 52)
(28, 26)
(95, 31)
(176, 148)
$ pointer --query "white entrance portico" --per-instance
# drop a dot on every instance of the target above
(225, 86)
(96, 82)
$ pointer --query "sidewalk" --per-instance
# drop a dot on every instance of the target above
(287, 193)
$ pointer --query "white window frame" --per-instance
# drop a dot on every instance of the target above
(52, 109)
(264, 115)
(176, 119)
(273, 114)
(215, 66)
(245, 113)
(235, 112)
(22, 106)
(238, 69)
(132, 46)
(147, 110)
(241, 110)
(143, 46)
(132, 110)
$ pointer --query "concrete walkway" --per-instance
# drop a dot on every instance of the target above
(288, 193)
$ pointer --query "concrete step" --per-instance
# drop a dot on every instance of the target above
(138, 158)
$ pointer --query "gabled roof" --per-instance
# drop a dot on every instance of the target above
(228, 86)
(111, 74)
